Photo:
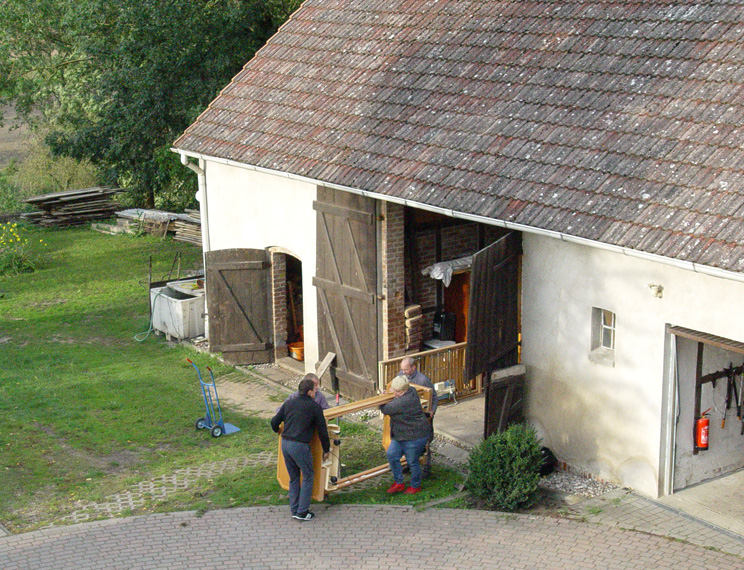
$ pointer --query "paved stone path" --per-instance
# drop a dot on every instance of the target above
(145, 492)
(624, 509)
(349, 537)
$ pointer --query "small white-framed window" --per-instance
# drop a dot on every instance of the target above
(603, 337)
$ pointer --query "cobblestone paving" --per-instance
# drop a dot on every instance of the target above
(147, 491)
(624, 509)
(346, 537)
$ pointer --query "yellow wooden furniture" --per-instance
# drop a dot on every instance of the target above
(326, 472)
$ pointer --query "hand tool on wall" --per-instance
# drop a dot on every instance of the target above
(729, 384)
(741, 399)
(735, 394)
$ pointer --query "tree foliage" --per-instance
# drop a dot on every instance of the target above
(117, 81)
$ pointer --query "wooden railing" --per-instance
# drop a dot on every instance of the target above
(439, 364)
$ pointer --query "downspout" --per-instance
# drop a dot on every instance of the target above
(201, 197)
(670, 415)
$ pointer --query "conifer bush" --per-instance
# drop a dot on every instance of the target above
(504, 470)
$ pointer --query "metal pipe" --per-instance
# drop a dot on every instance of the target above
(201, 196)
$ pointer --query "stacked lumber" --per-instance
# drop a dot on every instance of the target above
(73, 207)
(185, 227)
(414, 332)
(139, 220)
(188, 228)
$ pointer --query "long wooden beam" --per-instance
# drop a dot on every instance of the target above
(372, 402)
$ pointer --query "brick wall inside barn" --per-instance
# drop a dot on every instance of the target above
(279, 302)
(393, 280)
(405, 251)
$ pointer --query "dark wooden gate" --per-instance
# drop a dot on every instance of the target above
(505, 392)
(493, 326)
(346, 280)
(239, 305)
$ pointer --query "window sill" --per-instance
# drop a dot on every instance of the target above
(603, 356)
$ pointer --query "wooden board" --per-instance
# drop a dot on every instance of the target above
(324, 366)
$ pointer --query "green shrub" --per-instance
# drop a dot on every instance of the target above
(503, 471)
(40, 172)
(10, 201)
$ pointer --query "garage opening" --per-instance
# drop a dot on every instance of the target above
(709, 377)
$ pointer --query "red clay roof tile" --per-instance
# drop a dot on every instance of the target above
(617, 122)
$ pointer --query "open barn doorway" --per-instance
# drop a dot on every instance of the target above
(706, 373)
(287, 301)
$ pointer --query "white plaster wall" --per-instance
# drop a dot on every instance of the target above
(604, 419)
(249, 209)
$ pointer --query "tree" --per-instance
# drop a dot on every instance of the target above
(118, 80)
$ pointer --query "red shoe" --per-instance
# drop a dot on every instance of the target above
(396, 488)
(412, 490)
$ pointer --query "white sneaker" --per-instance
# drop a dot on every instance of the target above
(308, 516)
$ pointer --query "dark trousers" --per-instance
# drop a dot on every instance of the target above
(299, 461)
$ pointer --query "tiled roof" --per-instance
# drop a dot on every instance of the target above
(620, 122)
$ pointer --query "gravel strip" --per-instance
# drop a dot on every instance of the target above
(574, 484)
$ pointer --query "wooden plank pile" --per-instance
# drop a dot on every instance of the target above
(73, 207)
(184, 227)
(188, 228)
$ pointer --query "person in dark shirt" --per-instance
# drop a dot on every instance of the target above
(301, 416)
(409, 369)
(319, 397)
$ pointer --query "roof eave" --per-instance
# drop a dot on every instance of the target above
(681, 264)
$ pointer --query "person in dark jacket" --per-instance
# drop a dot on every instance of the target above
(409, 432)
(301, 417)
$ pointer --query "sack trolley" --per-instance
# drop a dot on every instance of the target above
(212, 421)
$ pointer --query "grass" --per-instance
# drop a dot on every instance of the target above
(78, 410)
(86, 410)
(442, 482)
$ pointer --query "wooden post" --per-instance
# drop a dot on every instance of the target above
(698, 392)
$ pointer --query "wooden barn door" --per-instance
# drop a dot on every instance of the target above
(346, 280)
(239, 305)
(493, 329)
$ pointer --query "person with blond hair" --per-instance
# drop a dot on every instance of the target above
(409, 432)
(409, 369)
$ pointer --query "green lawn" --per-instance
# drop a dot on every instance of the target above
(87, 410)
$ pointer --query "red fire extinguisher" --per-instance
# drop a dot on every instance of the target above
(702, 425)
